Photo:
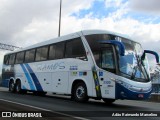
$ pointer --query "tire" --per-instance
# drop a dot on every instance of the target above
(80, 92)
(18, 87)
(11, 86)
(108, 101)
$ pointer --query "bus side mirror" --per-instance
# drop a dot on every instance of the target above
(117, 43)
(150, 52)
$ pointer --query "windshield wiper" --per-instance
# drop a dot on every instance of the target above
(138, 66)
(134, 72)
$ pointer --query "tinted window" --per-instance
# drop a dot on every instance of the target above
(52, 52)
(38, 54)
(19, 57)
(75, 49)
(44, 53)
(108, 59)
(103, 53)
(12, 59)
(60, 50)
(41, 53)
(6, 59)
(29, 56)
(93, 40)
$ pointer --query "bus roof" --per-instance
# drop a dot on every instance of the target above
(72, 36)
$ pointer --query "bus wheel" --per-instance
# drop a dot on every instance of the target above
(80, 92)
(11, 86)
(108, 101)
(18, 87)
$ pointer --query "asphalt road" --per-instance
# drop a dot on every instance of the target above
(61, 107)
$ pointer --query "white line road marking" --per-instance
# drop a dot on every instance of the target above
(24, 105)
(67, 115)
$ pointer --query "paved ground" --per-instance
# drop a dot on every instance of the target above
(61, 107)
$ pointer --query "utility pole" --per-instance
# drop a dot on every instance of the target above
(59, 31)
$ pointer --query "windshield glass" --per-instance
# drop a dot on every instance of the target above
(130, 65)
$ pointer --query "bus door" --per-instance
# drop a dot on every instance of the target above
(108, 64)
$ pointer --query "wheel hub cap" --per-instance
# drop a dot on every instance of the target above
(80, 92)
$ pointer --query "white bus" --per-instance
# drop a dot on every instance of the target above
(87, 64)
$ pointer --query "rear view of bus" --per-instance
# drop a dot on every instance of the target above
(121, 66)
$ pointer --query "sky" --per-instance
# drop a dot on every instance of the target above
(26, 22)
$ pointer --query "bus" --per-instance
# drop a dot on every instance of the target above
(96, 64)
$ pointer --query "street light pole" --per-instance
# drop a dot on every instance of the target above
(59, 31)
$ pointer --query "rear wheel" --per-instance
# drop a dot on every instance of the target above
(18, 87)
(108, 101)
(80, 92)
(11, 86)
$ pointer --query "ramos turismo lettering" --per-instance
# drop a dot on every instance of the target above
(44, 67)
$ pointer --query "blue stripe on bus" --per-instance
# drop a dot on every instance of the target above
(28, 77)
(5, 83)
(34, 78)
(23, 87)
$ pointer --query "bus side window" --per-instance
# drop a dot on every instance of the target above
(41, 53)
(29, 56)
(44, 53)
(60, 50)
(6, 59)
(11, 59)
(19, 57)
(38, 54)
(75, 49)
(52, 52)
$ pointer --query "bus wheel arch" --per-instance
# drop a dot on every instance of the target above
(11, 85)
(79, 91)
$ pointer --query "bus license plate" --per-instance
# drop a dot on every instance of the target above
(140, 95)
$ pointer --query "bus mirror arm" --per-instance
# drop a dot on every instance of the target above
(151, 52)
(120, 45)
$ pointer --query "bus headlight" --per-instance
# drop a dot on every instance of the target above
(126, 85)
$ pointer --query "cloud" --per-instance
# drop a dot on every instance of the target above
(149, 6)
(113, 3)
(25, 22)
(20, 17)
(32, 22)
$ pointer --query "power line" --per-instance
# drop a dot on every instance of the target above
(8, 47)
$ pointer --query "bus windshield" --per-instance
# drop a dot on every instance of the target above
(130, 65)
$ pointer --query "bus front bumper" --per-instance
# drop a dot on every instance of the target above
(125, 93)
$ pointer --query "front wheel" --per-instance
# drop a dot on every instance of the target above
(108, 101)
(80, 92)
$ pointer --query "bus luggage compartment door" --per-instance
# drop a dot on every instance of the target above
(60, 82)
